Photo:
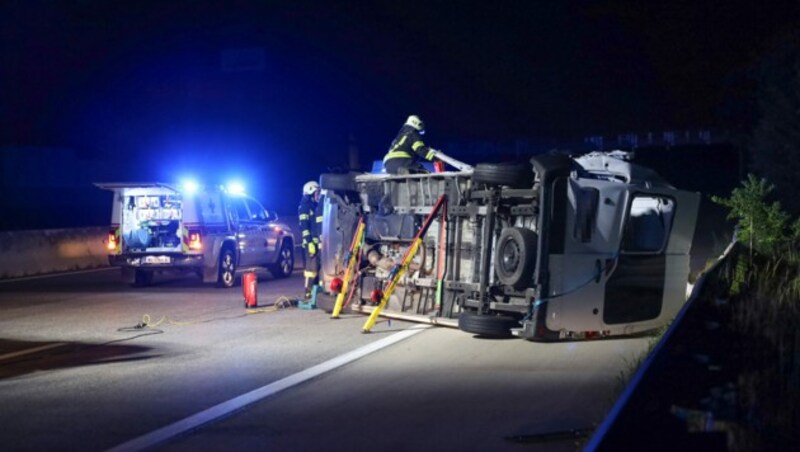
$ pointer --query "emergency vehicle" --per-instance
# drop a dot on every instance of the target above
(556, 248)
(210, 231)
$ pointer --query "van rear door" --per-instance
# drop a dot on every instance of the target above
(150, 218)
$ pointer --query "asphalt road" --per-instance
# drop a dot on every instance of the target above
(75, 374)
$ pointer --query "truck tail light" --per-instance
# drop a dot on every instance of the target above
(112, 240)
(195, 241)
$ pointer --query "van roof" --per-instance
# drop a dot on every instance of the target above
(117, 185)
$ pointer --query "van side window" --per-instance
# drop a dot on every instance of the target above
(648, 224)
(239, 209)
(585, 213)
(257, 212)
(210, 208)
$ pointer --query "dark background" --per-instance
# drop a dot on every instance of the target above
(274, 93)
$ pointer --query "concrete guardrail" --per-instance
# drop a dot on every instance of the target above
(28, 253)
(46, 251)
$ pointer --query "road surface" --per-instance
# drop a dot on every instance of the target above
(77, 374)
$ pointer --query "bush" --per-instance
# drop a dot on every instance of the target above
(764, 227)
(764, 283)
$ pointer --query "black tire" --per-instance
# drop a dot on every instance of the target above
(488, 325)
(226, 274)
(284, 267)
(337, 182)
(515, 257)
(142, 278)
(515, 175)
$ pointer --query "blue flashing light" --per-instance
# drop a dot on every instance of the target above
(235, 188)
(189, 186)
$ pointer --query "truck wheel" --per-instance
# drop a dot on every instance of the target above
(488, 325)
(515, 257)
(142, 278)
(227, 269)
(285, 264)
(515, 175)
(337, 182)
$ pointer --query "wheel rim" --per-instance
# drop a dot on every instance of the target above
(226, 269)
(286, 263)
(510, 256)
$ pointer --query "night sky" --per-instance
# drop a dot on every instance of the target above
(272, 91)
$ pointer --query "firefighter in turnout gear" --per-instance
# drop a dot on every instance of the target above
(407, 148)
(311, 228)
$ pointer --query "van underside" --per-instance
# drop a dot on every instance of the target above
(560, 248)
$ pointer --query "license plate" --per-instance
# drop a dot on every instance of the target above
(157, 260)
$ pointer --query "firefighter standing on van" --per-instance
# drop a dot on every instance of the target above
(407, 148)
(311, 227)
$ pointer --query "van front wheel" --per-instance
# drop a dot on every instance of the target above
(515, 175)
(285, 265)
(487, 325)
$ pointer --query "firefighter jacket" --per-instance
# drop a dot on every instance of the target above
(408, 145)
(310, 220)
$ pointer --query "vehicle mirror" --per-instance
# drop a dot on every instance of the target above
(272, 216)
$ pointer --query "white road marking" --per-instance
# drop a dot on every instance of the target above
(30, 350)
(53, 275)
(225, 408)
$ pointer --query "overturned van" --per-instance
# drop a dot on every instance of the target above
(560, 248)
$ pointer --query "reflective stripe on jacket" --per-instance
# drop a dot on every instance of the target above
(310, 223)
(408, 145)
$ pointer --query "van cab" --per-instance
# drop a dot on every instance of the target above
(209, 231)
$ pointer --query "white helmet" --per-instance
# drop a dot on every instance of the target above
(415, 122)
(310, 187)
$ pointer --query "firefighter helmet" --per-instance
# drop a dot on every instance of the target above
(310, 187)
(415, 122)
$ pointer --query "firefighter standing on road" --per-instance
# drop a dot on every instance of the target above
(310, 225)
(407, 148)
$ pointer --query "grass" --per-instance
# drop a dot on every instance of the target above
(766, 315)
(631, 366)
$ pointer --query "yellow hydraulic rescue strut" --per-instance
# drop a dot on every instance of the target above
(441, 264)
(397, 272)
(351, 260)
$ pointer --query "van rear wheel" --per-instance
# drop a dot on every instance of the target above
(227, 269)
(488, 325)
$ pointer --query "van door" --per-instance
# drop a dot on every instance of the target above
(635, 290)
(577, 276)
(264, 237)
(247, 236)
